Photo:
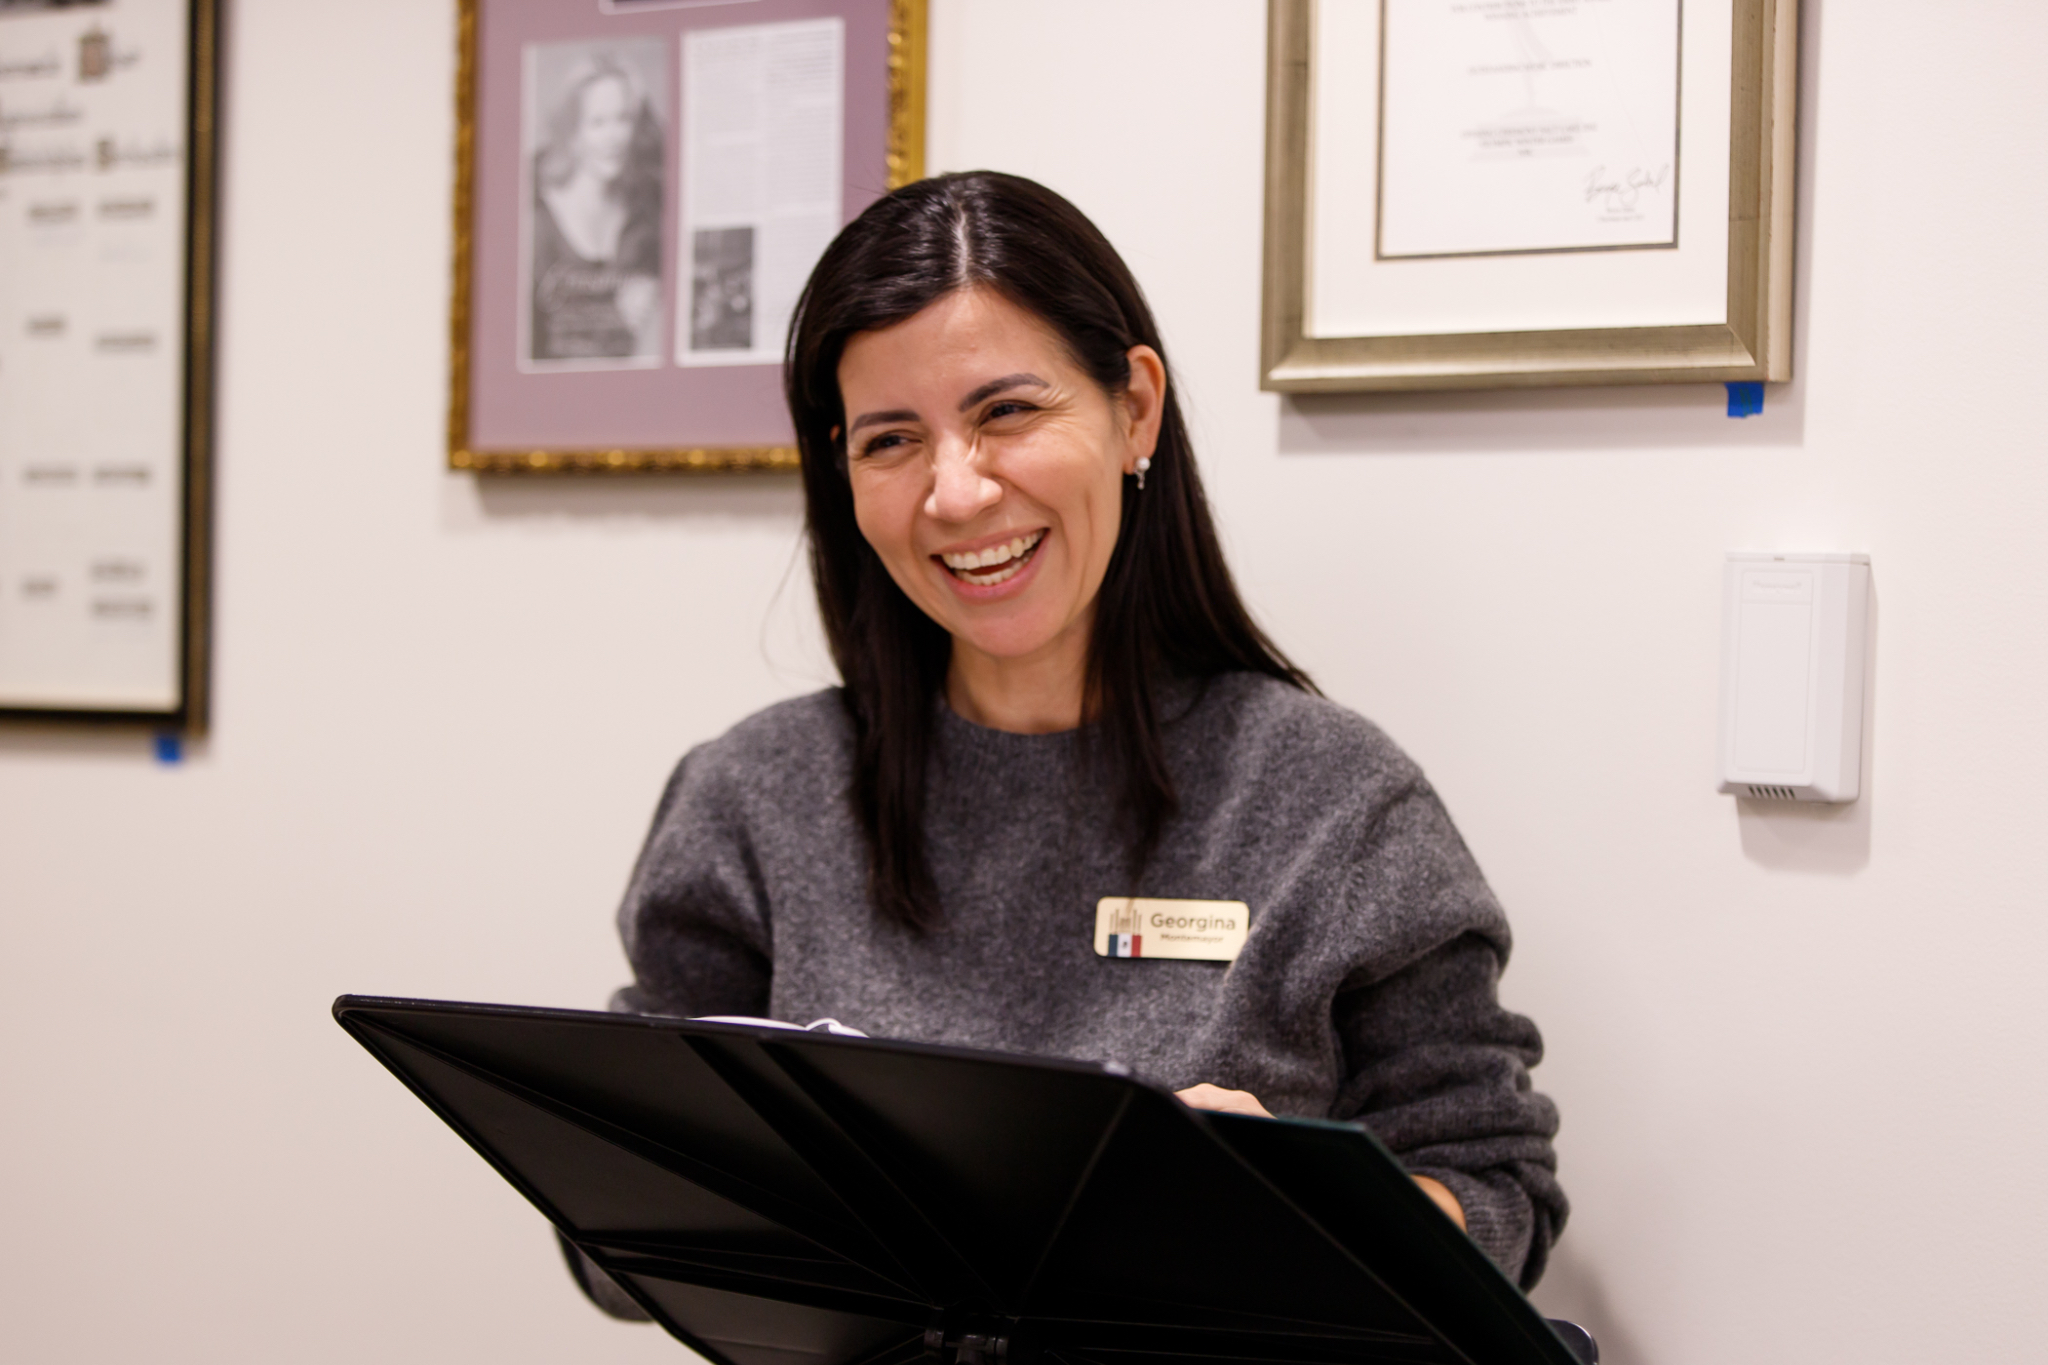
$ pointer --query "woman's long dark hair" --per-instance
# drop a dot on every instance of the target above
(1167, 607)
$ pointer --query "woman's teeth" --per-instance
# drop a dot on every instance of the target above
(996, 564)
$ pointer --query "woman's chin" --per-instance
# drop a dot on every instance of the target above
(1012, 621)
(1005, 638)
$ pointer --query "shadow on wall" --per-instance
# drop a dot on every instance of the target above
(1533, 421)
(655, 497)
(1831, 841)
(1571, 1289)
(127, 745)
(755, 506)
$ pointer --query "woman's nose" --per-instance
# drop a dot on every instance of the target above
(961, 489)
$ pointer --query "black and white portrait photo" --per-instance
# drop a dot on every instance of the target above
(722, 289)
(596, 118)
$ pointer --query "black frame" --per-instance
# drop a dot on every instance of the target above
(193, 712)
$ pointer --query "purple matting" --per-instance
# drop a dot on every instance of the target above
(669, 406)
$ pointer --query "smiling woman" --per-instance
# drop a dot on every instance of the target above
(974, 363)
(996, 504)
(1060, 733)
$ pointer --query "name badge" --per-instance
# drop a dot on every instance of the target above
(1204, 931)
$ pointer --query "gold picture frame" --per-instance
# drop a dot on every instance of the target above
(1753, 344)
(904, 155)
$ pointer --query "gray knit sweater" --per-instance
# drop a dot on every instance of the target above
(1364, 992)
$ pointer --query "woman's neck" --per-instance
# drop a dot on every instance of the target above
(589, 216)
(584, 187)
(1040, 694)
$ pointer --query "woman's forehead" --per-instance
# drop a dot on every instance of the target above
(966, 337)
(612, 83)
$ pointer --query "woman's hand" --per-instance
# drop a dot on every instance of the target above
(638, 299)
(1445, 1200)
(1206, 1096)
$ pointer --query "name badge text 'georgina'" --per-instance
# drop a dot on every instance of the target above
(1205, 931)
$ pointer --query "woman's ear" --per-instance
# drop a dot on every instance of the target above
(1144, 404)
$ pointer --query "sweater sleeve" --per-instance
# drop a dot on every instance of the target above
(695, 919)
(1433, 1065)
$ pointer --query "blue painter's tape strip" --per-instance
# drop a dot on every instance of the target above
(1745, 400)
(170, 748)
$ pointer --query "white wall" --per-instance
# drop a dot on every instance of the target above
(1797, 1052)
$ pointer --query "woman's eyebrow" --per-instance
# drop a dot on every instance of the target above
(996, 386)
(988, 390)
(869, 419)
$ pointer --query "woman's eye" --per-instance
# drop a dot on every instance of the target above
(888, 440)
(1007, 408)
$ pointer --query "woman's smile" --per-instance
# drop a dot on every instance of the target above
(990, 566)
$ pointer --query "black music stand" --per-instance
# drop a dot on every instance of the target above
(775, 1197)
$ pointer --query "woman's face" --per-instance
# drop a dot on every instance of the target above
(604, 128)
(987, 469)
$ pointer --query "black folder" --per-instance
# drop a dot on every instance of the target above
(779, 1197)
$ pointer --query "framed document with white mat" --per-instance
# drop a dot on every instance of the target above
(1492, 194)
(107, 147)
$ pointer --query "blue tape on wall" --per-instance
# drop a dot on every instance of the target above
(1745, 400)
(170, 748)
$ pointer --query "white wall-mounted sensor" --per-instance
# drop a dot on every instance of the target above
(1792, 645)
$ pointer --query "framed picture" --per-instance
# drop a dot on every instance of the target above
(642, 188)
(1494, 195)
(107, 150)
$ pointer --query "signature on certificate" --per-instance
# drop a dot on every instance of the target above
(1621, 193)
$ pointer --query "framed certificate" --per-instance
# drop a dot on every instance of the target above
(107, 150)
(642, 188)
(1492, 193)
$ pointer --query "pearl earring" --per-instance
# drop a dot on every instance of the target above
(1144, 463)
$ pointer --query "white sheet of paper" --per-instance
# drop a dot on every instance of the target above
(1528, 125)
(1353, 292)
(92, 355)
(763, 161)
